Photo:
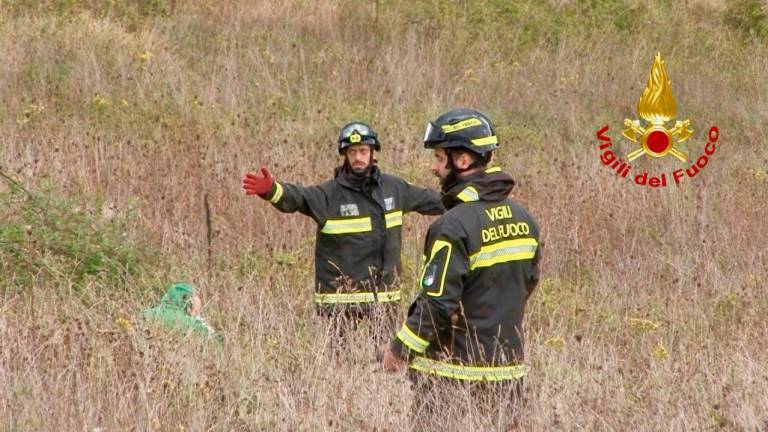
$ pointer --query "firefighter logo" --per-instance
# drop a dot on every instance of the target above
(429, 275)
(433, 276)
(657, 106)
(656, 136)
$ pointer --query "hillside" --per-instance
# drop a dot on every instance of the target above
(128, 125)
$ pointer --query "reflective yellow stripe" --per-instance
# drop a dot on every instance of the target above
(461, 125)
(493, 170)
(471, 373)
(347, 226)
(509, 250)
(393, 219)
(278, 194)
(485, 141)
(437, 247)
(469, 194)
(412, 340)
(357, 297)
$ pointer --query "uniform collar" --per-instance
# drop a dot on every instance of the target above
(491, 184)
(345, 177)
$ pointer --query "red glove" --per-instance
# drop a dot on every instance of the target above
(257, 185)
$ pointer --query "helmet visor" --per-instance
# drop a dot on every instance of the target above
(433, 134)
(355, 133)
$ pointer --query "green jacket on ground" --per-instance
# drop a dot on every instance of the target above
(173, 311)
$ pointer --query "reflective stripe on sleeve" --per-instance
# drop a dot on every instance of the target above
(412, 340)
(278, 193)
(393, 219)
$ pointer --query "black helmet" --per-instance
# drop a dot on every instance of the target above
(462, 128)
(357, 133)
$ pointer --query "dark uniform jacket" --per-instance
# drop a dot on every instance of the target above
(481, 265)
(357, 252)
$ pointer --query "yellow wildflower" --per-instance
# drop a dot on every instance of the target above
(641, 325)
(145, 56)
(124, 324)
(100, 102)
(659, 352)
(555, 342)
(470, 76)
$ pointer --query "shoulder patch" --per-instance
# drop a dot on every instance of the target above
(433, 275)
(469, 194)
(389, 203)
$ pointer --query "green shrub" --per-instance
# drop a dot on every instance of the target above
(750, 17)
(132, 13)
(49, 238)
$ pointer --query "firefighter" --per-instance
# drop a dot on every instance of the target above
(359, 214)
(464, 329)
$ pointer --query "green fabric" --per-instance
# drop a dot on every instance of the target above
(173, 310)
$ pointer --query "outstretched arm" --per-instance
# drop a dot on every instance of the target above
(422, 200)
(286, 197)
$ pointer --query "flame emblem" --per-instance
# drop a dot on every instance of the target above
(657, 106)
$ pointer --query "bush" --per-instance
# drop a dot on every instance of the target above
(49, 238)
(132, 13)
(750, 17)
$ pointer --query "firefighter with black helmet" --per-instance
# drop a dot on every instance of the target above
(359, 214)
(464, 328)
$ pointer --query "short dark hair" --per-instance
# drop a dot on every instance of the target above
(478, 160)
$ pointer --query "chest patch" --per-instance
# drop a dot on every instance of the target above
(349, 210)
(389, 203)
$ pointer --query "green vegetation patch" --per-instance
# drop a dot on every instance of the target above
(49, 238)
(132, 13)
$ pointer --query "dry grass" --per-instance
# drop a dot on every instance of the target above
(652, 313)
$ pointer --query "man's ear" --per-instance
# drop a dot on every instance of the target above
(461, 160)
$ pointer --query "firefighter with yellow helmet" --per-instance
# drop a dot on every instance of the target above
(464, 328)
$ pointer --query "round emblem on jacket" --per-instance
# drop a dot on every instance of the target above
(429, 276)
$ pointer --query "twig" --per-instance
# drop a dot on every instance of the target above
(209, 229)
(15, 184)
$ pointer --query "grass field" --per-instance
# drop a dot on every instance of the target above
(122, 119)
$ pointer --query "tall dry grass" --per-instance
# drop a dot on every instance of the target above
(652, 312)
